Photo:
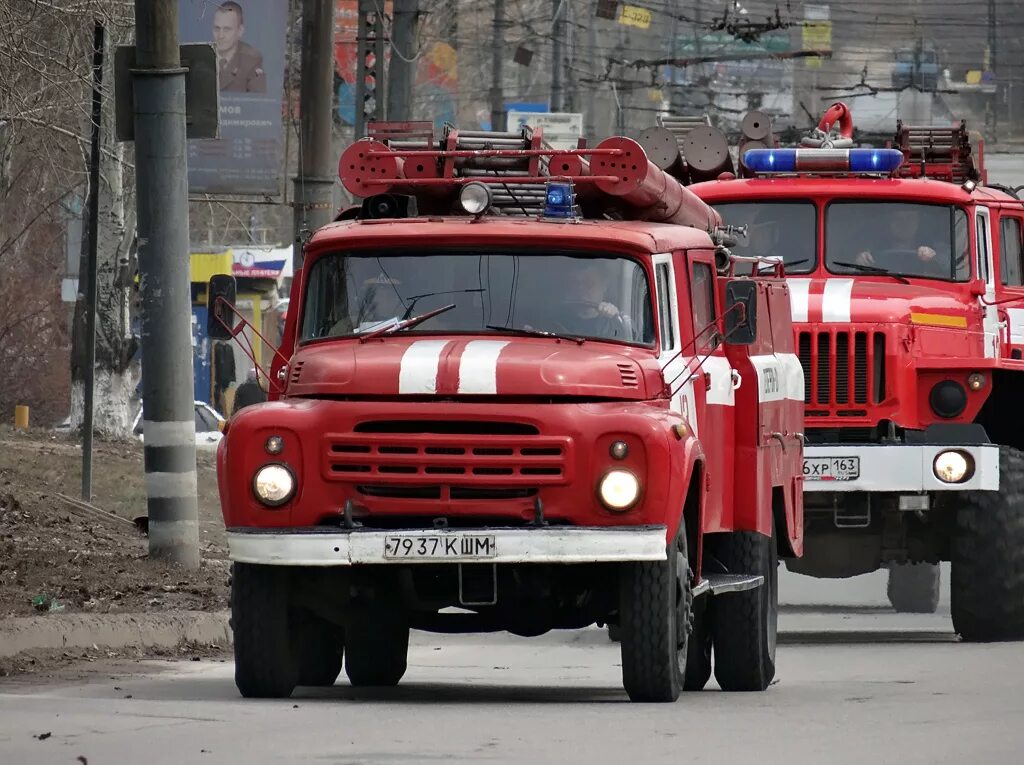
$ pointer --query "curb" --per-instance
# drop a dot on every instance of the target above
(113, 631)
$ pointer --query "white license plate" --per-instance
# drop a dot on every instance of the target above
(440, 546)
(832, 468)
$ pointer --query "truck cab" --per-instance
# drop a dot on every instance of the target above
(545, 421)
(905, 278)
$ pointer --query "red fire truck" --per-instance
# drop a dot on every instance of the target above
(523, 384)
(907, 291)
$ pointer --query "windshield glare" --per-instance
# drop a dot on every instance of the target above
(774, 229)
(917, 240)
(601, 297)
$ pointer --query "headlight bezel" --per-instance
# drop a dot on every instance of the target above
(288, 496)
(610, 475)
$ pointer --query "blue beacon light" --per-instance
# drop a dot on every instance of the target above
(559, 201)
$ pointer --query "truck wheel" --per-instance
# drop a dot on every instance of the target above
(265, 665)
(698, 651)
(320, 651)
(987, 589)
(746, 623)
(655, 604)
(914, 587)
(376, 645)
(614, 633)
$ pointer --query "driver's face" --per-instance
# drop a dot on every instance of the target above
(586, 285)
(903, 224)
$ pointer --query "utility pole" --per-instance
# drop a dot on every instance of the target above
(557, 56)
(992, 62)
(315, 181)
(161, 179)
(90, 273)
(402, 73)
(369, 65)
(498, 114)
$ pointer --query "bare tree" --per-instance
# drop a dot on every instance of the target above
(45, 65)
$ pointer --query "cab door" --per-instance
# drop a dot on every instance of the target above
(1010, 281)
(713, 378)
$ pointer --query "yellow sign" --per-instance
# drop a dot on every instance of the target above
(634, 16)
(817, 35)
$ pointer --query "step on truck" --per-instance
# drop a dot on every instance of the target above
(907, 289)
(519, 389)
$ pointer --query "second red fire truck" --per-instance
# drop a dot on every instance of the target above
(907, 290)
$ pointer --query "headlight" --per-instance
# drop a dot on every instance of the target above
(619, 490)
(273, 485)
(953, 467)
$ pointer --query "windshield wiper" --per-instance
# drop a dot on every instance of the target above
(535, 333)
(412, 300)
(390, 329)
(871, 270)
(785, 265)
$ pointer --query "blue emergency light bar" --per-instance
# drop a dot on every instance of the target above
(767, 161)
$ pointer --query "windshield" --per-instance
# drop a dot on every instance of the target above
(926, 241)
(774, 229)
(601, 297)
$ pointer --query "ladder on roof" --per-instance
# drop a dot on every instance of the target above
(518, 199)
(937, 152)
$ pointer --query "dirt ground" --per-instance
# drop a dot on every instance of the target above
(57, 556)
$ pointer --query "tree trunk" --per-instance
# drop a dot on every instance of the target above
(116, 372)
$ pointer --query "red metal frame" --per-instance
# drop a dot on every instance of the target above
(247, 348)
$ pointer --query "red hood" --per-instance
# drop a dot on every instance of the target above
(501, 366)
(862, 301)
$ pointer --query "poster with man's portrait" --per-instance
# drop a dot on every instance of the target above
(249, 37)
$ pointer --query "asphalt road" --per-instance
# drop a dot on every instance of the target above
(856, 684)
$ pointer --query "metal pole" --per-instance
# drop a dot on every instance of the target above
(402, 73)
(162, 189)
(90, 271)
(498, 114)
(315, 182)
(992, 63)
(557, 63)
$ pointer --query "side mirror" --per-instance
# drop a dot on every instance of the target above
(741, 312)
(220, 304)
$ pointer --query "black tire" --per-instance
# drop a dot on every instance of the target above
(614, 633)
(914, 587)
(265, 665)
(376, 645)
(655, 607)
(746, 623)
(320, 651)
(698, 651)
(987, 587)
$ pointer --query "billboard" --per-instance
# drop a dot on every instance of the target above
(250, 38)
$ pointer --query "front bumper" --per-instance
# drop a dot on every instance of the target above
(899, 468)
(576, 544)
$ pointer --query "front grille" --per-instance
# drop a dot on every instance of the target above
(843, 370)
(448, 427)
(428, 458)
(389, 491)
